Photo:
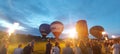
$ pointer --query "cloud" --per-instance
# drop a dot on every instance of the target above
(6, 24)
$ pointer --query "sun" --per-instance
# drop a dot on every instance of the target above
(72, 33)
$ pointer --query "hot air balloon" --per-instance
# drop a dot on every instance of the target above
(82, 29)
(96, 31)
(44, 30)
(56, 28)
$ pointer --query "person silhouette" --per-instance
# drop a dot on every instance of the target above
(48, 47)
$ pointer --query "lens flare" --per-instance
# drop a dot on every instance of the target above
(72, 33)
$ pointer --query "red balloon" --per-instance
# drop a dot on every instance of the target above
(56, 28)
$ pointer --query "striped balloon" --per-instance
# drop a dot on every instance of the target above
(56, 28)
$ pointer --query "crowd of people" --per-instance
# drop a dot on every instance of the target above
(85, 47)
(76, 47)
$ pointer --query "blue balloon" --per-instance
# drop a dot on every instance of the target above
(44, 30)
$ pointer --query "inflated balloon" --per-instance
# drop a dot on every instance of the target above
(82, 29)
(96, 31)
(44, 30)
(56, 28)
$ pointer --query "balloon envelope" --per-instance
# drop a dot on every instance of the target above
(44, 29)
(96, 31)
(82, 29)
(56, 28)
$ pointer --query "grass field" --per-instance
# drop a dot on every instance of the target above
(39, 48)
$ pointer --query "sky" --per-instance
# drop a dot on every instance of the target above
(30, 14)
